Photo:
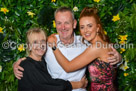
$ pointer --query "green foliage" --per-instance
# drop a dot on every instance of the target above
(16, 22)
(7, 78)
(127, 26)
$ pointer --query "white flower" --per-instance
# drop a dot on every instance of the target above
(75, 9)
(124, 66)
(0, 68)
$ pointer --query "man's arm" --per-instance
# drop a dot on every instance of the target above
(17, 69)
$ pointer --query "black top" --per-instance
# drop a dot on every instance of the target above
(36, 78)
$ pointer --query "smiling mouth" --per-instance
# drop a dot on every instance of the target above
(87, 35)
(64, 31)
(40, 50)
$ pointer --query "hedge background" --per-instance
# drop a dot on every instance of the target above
(17, 16)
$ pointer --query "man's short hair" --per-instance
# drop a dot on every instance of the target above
(64, 9)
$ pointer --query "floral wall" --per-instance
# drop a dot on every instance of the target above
(17, 16)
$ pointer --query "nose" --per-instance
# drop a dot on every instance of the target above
(63, 26)
(86, 29)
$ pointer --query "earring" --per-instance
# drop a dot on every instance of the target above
(97, 33)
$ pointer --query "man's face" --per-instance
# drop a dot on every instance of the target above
(65, 24)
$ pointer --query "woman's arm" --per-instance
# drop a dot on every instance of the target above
(80, 61)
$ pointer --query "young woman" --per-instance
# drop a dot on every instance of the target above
(35, 75)
(102, 74)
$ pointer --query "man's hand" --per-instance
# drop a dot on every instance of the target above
(116, 58)
(18, 69)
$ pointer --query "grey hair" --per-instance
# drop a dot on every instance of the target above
(64, 9)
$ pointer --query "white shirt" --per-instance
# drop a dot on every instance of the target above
(70, 52)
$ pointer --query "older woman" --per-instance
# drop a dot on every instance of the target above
(36, 76)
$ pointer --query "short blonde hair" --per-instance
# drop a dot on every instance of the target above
(30, 32)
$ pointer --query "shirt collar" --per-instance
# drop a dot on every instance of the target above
(59, 41)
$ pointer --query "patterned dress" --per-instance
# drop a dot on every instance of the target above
(102, 76)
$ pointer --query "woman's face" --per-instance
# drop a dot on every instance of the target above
(37, 44)
(88, 28)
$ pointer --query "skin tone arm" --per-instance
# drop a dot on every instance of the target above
(79, 62)
(113, 60)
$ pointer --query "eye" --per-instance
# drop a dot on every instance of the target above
(58, 23)
(43, 41)
(35, 42)
(81, 27)
(66, 22)
(89, 25)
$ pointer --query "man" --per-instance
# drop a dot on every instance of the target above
(69, 44)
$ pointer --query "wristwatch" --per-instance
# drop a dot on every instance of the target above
(54, 48)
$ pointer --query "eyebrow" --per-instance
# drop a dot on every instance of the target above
(90, 24)
(87, 24)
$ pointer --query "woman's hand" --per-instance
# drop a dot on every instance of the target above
(52, 40)
(80, 84)
(84, 82)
